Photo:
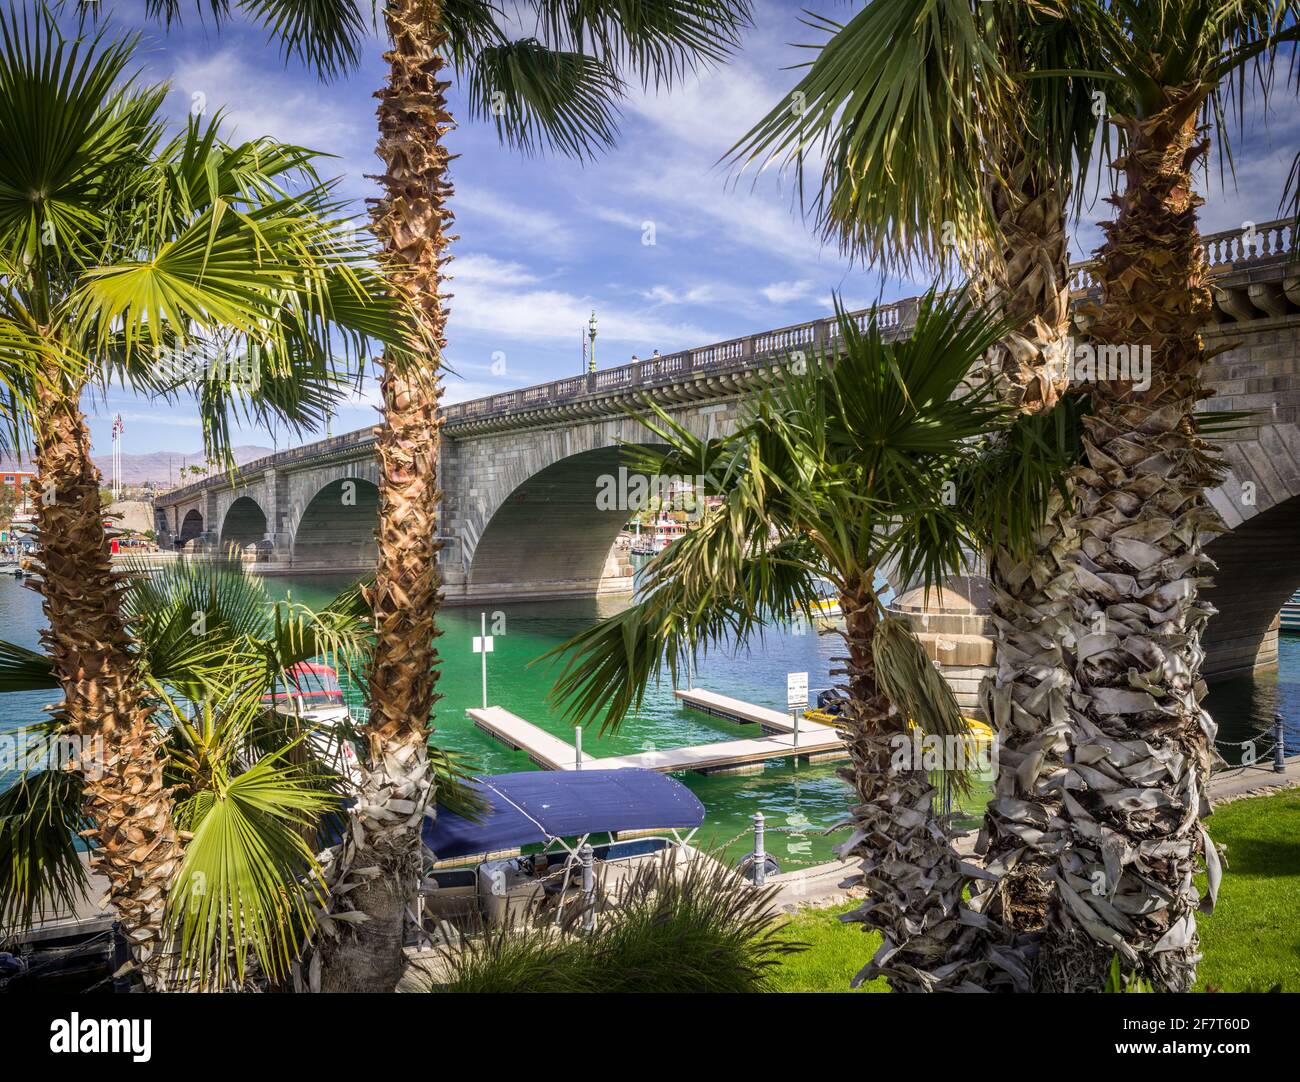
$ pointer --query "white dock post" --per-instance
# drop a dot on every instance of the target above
(760, 857)
(796, 698)
(1279, 746)
(577, 747)
(585, 855)
(483, 645)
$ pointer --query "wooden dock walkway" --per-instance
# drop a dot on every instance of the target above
(547, 751)
(724, 706)
(816, 742)
(734, 756)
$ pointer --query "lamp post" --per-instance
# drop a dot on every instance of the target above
(591, 333)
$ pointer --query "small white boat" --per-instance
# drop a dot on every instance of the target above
(1290, 616)
(312, 695)
(663, 534)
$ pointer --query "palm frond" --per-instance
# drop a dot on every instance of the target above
(41, 872)
(896, 103)
(662, 41)
(25, 670)
(710, 587)
(1004, 486)
(326, 35)
(545, 99)
(249, 885)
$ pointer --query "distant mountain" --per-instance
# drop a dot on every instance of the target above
(160, 467)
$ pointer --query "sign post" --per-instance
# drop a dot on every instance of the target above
(483, 645)
(796, 698)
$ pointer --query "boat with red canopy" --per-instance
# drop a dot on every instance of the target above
(310, 692)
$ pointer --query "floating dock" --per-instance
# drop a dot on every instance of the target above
(724, 706)
(736, 756)
(815, 742)
(547, 751)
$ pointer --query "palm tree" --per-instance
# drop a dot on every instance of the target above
(256, 787)
(1173, 71)
(873, 456)
(243, 779)
(555, 89)
(938, 143)
(119, 248)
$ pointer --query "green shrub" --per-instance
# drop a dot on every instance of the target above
(675, 925)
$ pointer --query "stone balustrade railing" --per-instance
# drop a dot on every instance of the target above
(320, 448)
(1226, 251)
(737, 353)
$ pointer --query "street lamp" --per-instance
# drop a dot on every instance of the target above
(591, 333)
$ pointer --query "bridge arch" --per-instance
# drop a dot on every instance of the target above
(1258, 562)
(337, 526)
(551, 536)
(245, 524)
(191, 526)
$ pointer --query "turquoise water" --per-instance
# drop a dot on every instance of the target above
(802, 799)
(797, 801)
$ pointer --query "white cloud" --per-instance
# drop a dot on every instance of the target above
(261, 99)
(625, 218)
(159, 418)
(704, 294)
(516, 222)
(484, 268)
(785, 292)
(556, 316)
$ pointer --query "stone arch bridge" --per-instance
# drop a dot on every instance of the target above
(520, 470)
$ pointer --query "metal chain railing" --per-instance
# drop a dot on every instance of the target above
(1252, 753)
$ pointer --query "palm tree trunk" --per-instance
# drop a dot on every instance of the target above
(1030, 280)
(136, 847)
(1025, 697)
(1137, 778)
(380, 860)
(913, 876)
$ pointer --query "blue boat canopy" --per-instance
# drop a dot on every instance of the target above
(541, 805)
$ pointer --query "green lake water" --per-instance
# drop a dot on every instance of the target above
(797, 801)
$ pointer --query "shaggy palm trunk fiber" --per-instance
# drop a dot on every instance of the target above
(136, 847)
(1135, 787)
(376, 873)
(913, 876)
(1025, 696)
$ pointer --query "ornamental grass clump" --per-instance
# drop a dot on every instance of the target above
(677, 924)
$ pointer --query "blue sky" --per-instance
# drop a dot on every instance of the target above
(543, 241)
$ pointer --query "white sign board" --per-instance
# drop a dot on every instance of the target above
(796, 690)
(482, 644)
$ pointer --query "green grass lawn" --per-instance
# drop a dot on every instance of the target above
(1251, 942)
